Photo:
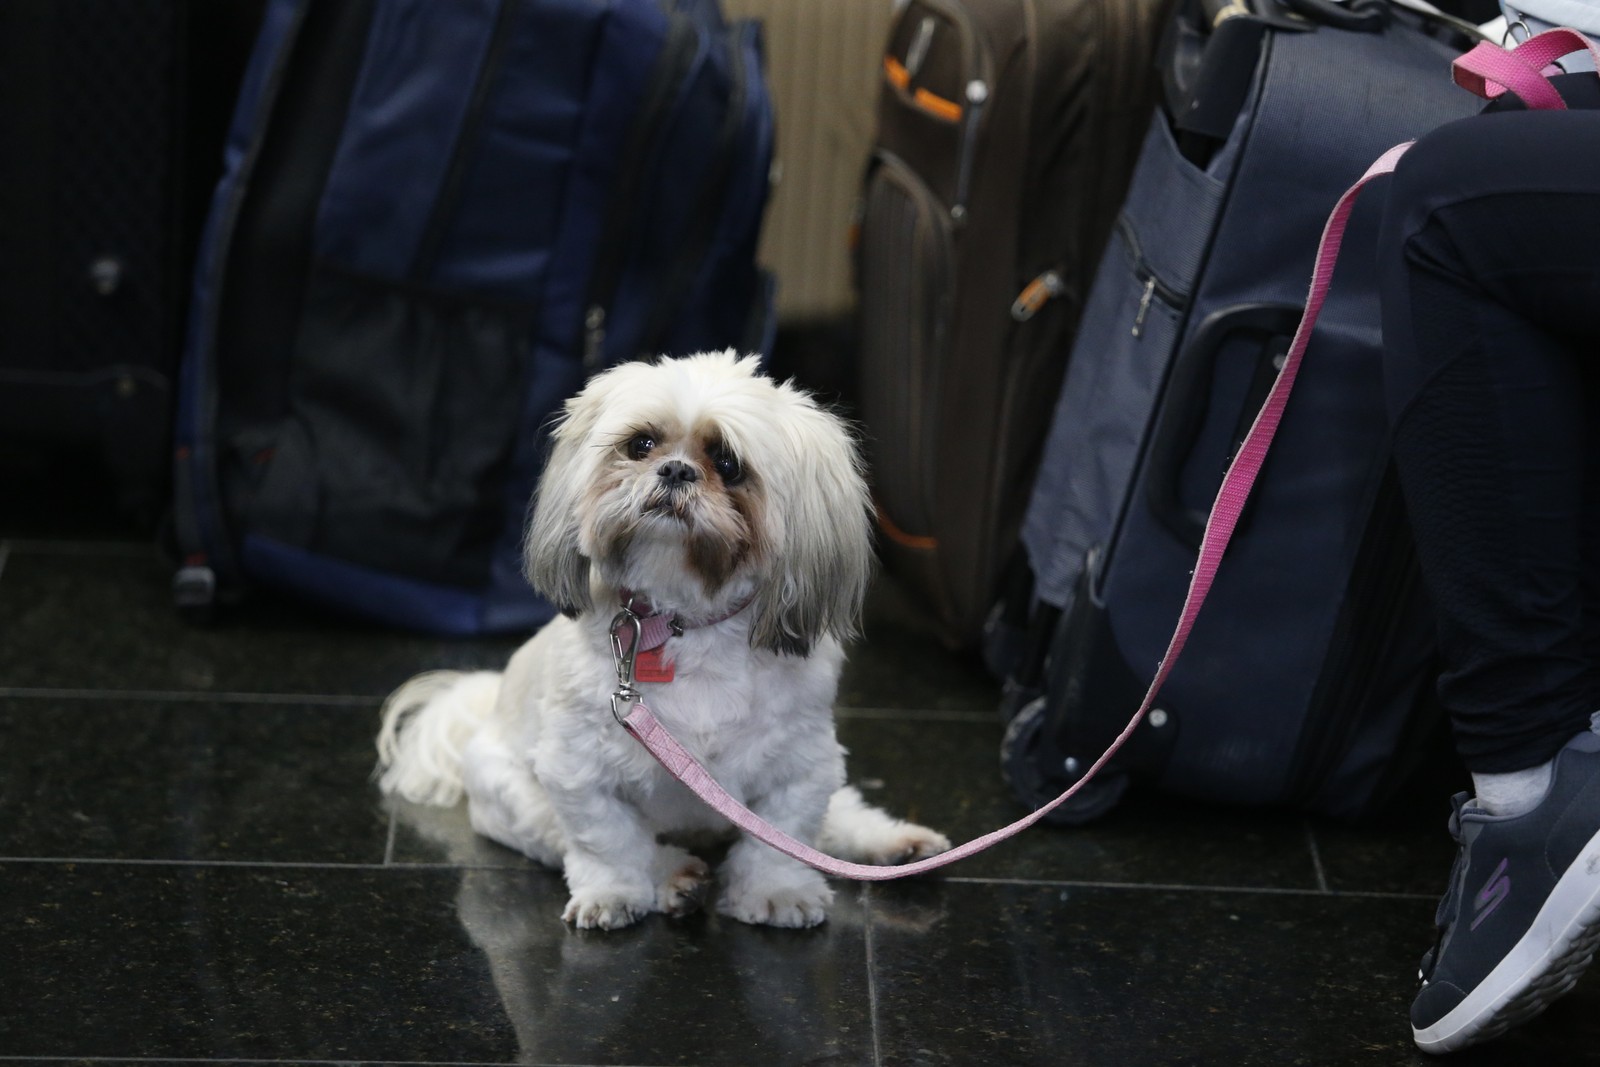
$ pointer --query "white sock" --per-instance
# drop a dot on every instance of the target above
(1514, 792)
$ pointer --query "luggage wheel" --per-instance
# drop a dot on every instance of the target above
(1037, 776)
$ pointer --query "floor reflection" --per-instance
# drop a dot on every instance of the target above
(664, 990)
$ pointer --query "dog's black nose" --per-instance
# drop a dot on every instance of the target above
(676, 472)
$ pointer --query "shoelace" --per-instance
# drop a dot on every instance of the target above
(1452, 893)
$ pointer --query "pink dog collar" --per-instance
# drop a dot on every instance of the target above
(639, 634)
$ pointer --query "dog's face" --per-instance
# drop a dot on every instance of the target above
(677, 491)
(699, 482)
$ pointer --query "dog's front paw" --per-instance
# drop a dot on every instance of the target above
(908, 843)
(604, 910)
(684, 887)
(795, 907)
(855, 830)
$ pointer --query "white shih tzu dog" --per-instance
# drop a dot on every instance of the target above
(732, 510)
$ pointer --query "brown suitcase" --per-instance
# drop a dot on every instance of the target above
(1007, 132)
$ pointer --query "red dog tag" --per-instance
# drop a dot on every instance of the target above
(652, 666)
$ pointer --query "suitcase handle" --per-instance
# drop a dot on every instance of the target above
(1207, 58)
(1183, 417)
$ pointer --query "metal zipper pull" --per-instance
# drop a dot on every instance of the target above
(1036, 294)
(917, 54)
(1144, 305)
(977, 96)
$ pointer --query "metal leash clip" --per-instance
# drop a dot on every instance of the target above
(626, 696)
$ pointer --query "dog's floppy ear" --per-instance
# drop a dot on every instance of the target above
(823, 559)
(552, 559)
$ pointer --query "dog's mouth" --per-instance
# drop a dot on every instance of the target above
(670, 504)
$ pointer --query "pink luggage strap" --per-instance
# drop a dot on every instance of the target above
(1482, 71)
(1489, 70)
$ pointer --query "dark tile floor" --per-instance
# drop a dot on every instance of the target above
(194, 866)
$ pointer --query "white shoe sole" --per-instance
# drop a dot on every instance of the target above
(1542, 966)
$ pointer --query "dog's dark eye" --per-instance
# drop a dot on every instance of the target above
(727, 467)
(640, 445)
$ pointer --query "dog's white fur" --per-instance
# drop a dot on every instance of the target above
(773, 516)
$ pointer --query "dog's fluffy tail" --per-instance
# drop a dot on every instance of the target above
(425, 724)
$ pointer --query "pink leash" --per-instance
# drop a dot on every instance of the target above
(1483, 73)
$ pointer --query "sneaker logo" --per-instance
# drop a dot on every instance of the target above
(1492, 895)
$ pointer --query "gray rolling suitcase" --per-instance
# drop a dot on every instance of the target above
(1308, 673)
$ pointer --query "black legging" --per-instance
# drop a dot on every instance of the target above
(1490, 272)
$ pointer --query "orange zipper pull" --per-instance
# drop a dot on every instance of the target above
(1036, 294)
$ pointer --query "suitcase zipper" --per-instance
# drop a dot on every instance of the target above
(977, 97)
(1154, 287)
(1036, 294)
(1144, 306)
(677, 57)
(917, 52)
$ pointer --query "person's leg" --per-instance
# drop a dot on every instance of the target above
(1491, 287)
(1491, 283)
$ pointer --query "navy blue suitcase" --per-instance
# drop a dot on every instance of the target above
(435, 220)
(1306, 681)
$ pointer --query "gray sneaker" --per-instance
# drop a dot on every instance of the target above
(1521, 917)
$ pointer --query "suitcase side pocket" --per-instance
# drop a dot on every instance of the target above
(906, 268)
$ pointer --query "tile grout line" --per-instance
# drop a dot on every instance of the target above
(322, 1063)
(1177, 887)
(107, 549)
(872, 972)
(1316, 857)
(1032, 883)
(264, 865)
(186, 696)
